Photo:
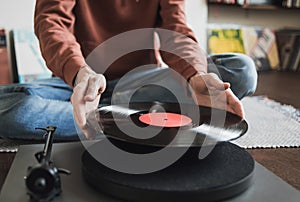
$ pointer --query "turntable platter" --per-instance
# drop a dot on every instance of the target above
(226, 172)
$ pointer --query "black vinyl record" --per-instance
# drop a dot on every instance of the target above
(207, 125)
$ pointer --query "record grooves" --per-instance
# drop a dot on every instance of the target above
(185, 125)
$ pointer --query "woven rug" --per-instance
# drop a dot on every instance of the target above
(8, 146)
(271, 125)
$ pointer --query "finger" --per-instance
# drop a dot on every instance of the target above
(96, 86)
(92, 105)
(89, 134)
(92, 89)
(79, 103)
(228, 101)
(85, 130)
(89, 130)
(234, 103)
(226, 85)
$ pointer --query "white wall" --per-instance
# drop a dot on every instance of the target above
(196, 13)
(16, 13)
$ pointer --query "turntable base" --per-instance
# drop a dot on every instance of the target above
(266, 185)
(226, 172)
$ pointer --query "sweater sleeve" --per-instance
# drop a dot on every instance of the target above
(54, 27)
(179, 47)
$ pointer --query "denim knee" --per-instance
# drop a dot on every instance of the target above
(249, 76)
(237, 69)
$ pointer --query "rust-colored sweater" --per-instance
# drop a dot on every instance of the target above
(69, 30)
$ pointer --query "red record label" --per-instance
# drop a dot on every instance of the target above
(165, 119)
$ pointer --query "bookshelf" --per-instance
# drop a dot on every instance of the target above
(259, 4)
(254, 15)
(273, 16)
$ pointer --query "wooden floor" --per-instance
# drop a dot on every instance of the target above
(283, 87)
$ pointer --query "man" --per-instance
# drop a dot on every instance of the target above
(69, 31)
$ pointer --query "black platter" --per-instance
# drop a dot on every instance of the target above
(227, 171)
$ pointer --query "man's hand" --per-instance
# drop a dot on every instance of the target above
(209, 90)
(86, 95)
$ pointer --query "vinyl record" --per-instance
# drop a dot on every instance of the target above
(167, 124)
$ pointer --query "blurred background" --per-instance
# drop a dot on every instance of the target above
(266, 30)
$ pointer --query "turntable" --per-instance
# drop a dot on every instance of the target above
(200, 162)
(184, 129)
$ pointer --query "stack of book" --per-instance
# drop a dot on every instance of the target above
(249, 3)
(5, 73)
(30, 64)
(257, 42)
(288, 41)
(291, 3)
(223, 1)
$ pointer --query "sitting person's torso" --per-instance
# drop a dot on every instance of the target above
(98, 21)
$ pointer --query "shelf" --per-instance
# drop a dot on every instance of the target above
(255, 6)
(261, 7)
(267, 7)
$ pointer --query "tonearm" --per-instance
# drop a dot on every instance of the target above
(43, 180)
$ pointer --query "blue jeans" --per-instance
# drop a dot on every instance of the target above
(23, 107)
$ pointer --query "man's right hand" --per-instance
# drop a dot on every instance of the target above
(87, 90)
(208, 89)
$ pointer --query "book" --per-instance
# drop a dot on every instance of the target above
(260, 2)
(258, 43)
(297, 4)
(5, 73)
(221, 40)
(29, 63)
(222, 1)
(261, 46)
(288, 41)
